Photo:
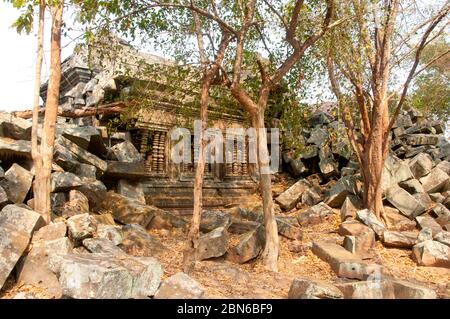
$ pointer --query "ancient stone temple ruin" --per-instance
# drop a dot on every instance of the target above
(91, 83)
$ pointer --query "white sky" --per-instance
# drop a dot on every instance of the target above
(17, 60)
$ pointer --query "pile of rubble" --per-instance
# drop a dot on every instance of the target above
(416, 195)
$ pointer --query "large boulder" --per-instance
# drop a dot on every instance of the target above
(404, 202)
(408, 290)
(128, 211)
(16, 228)
(369, 219)
(211, 220)
(212, 244)
(64, 182)
(87, 137)
(372, 289)
(434, 181)
(17, 183)
(131, 189)
(126, 152)
(106, 276)
(302, 288)
(399, 239)
(180, 286)
(421, 165)
(14, 127)
(289, 198)
(315, 215)
(421, 139)
(3, 198)
(15, 148)
(72, 153)
(432, 253)
(338, 192)
(137, 242)
(80, 227)
(96, 192)
(288, 227)
(429, 222)
(249, 246)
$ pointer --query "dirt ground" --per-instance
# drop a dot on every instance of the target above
(223, 279)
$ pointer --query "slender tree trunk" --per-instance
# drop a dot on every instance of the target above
(39, 197)
(271, 249)
(189, 255)
(51, 106)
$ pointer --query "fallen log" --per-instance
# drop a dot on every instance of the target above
(106, 109)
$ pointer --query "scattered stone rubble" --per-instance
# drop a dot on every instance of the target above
(98, 245)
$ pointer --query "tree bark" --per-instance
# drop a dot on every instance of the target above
(39, 197)
(271, 248)
(43, 179)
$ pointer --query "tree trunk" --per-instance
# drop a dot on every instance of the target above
(373, 158)
(51, 106)
(189, 254)
(35, 154)
(270, 253)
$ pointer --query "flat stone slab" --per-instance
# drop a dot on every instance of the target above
(408, 290)
(105, 276)
(16, 228)
(180, 286)
(290, 197)
(376, 289)
(404, 202)
(15, 147)
(303, 288)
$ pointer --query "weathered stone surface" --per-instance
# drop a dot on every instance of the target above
(310, 197)
(444, 166)
(95, 191)
(302, 288)
(408, 290)
(421, 139)
(443, 237)
(212, 244)
(126, 152)
(432, 253)
(112, 233)
(87, 137)
(421, 165)
(105, 276)
(81, 155)
(34, 269)
(17, 183)
(14, 127)
(338, 192)
(167, 220)
(249, 246)
(399, 239)
(404, 202)
(102, 245)
(412, 186)
(348, 210)
(319, 137)
(360, 243)
(373, 289)
(16, 227)
(434, 181)
(85, 172)
(288, 229)
(397, 221)
(437, 197)
(429, 222)
(315, 214)
(240, 227)
(15, 147)
(180, 286)
(344, 263)
(369, 219)
(441, 211)
(137, 242)
(3, 198)
(64, 182)
(77, 203)
(131, 189)
(105, 219)
(50, 232)
(424, 235)
(128, 211)
(211, 220)
(289, 198)
(80, 227)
